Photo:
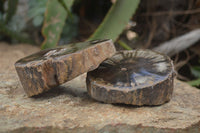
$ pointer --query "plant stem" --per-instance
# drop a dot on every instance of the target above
(124, 45)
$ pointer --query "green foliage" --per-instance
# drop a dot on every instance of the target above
(58, 21)
(12, 7)
(70, 29)
(10, 25)
(62, 2)
(36, 11)
(195, 82)
(2, 6)
(55, 17)
(111, 27)
(7, 32)
(124, 45)
(195, 70)
(37, 21)
(116, 19)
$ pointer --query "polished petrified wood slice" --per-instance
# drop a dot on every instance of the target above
(49, 68)
(138, 77)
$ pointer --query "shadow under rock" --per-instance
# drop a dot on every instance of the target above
(62, 90)
(81, 93)
(136, 106)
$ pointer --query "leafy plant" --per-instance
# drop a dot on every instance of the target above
(58, 21)
(12, 7)
(124, 45)
(10, 26)
(36, 11)
(111, 27)
(116, 19)
(70, 29)
(195, 70)
(195, 83)
(55, 17)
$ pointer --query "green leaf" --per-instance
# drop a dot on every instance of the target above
(37, 21)
(124, 45)
(195, 70)
(36, 11)
(12, 7)
(194, 82)
(55, 17)
(65, 7)
(115, 20)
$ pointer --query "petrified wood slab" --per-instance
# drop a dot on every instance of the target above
(49, 68)
(138, 77)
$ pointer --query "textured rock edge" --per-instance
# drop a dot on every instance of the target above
(162, 91)
(55, 71)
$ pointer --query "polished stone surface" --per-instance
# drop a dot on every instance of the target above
(137, 77)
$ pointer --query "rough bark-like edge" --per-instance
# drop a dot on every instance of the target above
(43, 76)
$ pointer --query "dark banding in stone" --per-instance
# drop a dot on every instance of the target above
(46, 69)
(137, 77)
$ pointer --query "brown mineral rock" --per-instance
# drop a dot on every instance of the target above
(49, 68)
(137, 77)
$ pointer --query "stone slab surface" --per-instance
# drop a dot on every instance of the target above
(69, 107)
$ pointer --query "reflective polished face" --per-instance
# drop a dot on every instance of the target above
(134, 69)
(59, 51)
